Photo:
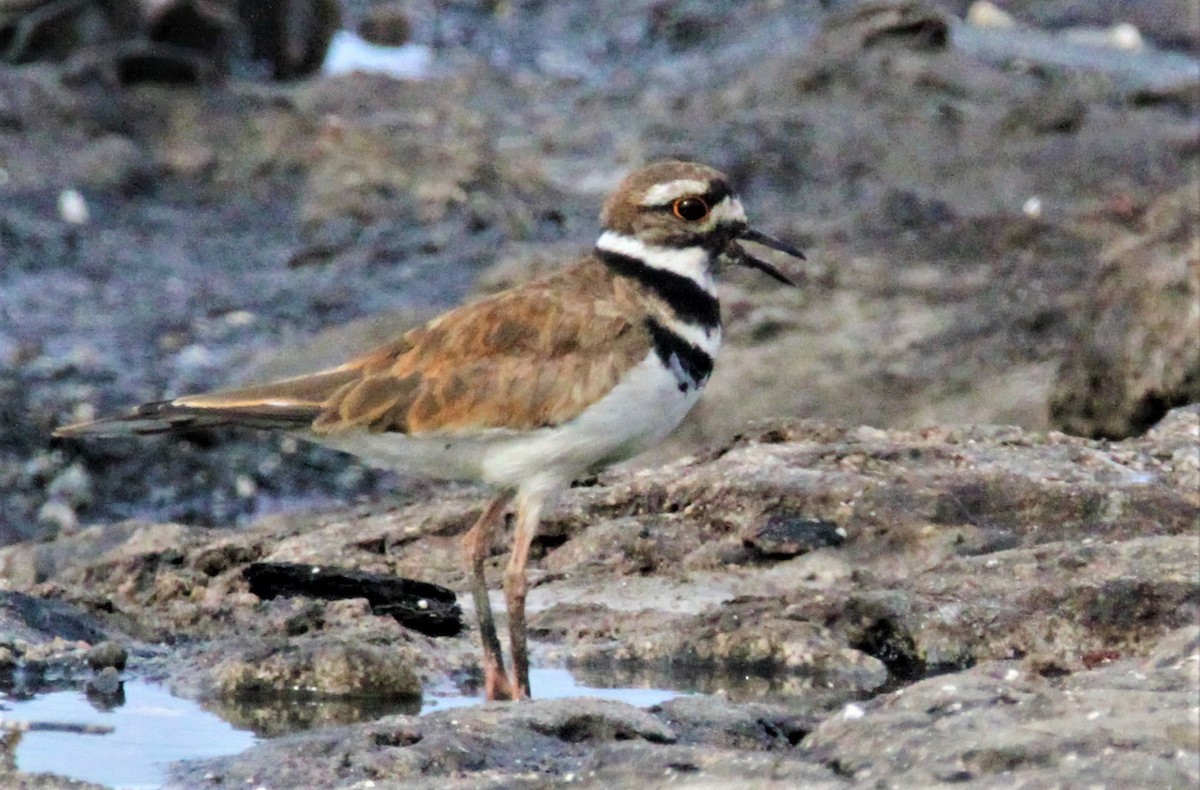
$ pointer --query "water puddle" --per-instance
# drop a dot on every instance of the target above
(555, 684)
(153, 728)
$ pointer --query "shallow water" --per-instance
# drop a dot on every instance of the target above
(555, 684)
(153, 728)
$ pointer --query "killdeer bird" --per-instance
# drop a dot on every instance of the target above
(528, 389)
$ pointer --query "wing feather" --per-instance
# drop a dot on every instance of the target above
(527, 358)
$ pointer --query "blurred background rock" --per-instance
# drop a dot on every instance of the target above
(171, 40)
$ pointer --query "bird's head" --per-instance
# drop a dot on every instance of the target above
(684, 206)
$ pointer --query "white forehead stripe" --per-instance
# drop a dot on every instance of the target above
(662, 194)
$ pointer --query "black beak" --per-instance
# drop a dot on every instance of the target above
(746, 259)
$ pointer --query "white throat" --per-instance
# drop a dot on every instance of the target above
(691, 262)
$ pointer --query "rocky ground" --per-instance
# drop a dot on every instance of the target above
(1001, 231)
(976, 605)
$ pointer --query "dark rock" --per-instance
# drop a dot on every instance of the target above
(290, 36)
(906, 24)
(175, 41)
(421, 606)
(910, 211)
(387, 24)
(781, 535)
(46, 30)
(685, 25)
(38, 620)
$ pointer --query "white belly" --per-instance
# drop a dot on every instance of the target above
(637, 413)
(640, 411)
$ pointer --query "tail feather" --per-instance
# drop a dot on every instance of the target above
(163, 417)
(291, 404)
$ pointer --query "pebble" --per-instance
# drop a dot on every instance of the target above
(72, 207)
(1123, 36)
(194, 357)
(107, 654)
(245, 486)
(781, 535)
(989, 15)
(239, 318)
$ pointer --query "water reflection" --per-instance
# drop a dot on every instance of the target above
(272, 716)
(739, 684)
(105, 700)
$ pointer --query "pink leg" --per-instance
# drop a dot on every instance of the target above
(516, 585)
(475, 546)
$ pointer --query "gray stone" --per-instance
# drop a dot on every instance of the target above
(108, 654)
(320, 667)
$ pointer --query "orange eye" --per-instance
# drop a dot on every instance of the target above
(690, 209)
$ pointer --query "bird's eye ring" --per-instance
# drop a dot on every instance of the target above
(690, 209)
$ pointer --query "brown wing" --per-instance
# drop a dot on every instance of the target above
(533, 356)
(530, 357)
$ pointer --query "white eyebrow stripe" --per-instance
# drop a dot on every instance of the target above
(728, 210)
(662, 194)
